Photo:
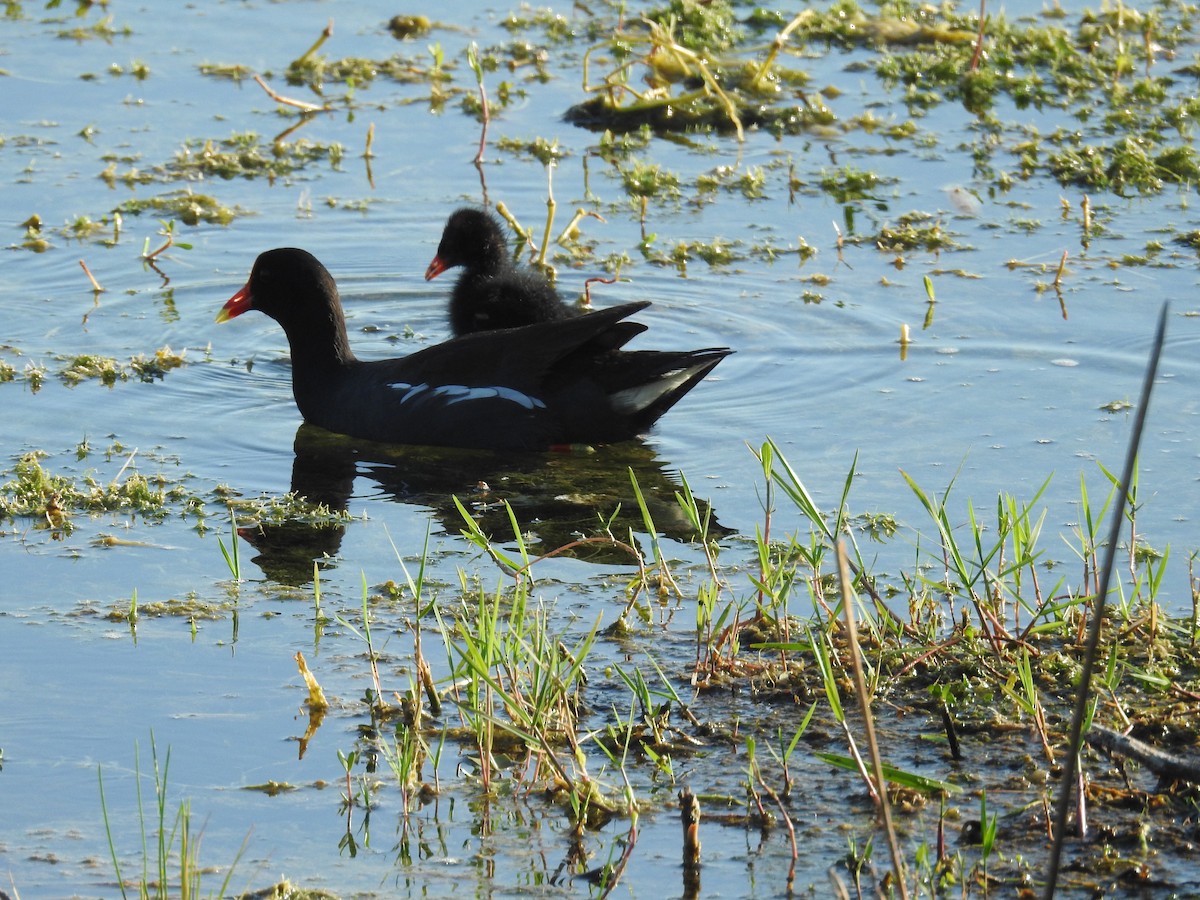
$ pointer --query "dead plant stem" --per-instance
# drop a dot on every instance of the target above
(864, 704)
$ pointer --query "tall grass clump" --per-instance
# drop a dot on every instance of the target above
(911, 707)
(170, 844)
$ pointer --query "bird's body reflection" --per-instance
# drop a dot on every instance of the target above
(557, 497)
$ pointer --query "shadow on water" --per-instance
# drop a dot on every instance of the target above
(557, 498)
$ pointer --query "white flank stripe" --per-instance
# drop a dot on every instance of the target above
(457, 393)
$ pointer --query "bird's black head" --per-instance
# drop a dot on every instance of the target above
(287, 284)
(293, 288)
(472, 238)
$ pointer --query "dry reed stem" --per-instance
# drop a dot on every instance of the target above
(303, 105)
(860, 690)
(88, 272)
(1071, 763)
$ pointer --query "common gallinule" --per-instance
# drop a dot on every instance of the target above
(532, 388)
(492, 292)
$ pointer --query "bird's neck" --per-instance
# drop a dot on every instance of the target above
(493, 258)
(321, 344)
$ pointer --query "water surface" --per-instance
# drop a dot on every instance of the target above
(1006, 388)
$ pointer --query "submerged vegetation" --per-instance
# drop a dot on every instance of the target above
(73, 370)
(56, 498)
(681, 68)
(1115, 80)
(968, 666)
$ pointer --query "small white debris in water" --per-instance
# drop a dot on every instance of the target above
(964, 201)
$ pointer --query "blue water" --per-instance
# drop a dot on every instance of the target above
(1001, 392)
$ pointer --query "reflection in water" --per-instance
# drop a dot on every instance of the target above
(557, 497)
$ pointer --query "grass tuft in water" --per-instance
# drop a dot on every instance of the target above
(172, 868)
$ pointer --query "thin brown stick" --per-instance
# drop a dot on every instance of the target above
(587, 288)
(551, 206)
(864, 704)
(326, 34)
(1156, 760)
(571, 232)
(978, 54)
(787, 821)
(485, 114)
(1062, 268)
(288, 101)
(1071, 763)
(92, 278)
(369, 154)
(689, 814)
(163, 248)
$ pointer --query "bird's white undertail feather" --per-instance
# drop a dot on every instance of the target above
(633, 400)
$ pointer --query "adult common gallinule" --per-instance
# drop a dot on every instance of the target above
(492, 292)
(524, 388)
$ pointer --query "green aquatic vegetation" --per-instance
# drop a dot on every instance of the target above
(503, 96)
(137, 69)
(34, 239)
(704, 104)
(716, 252)
(750, 183)
(361, 205)
(989, 643)
(247, 155)
(520, 688)
(175, 840)
(282, 509)
(103, 30)
(83, 228)
(34, 492)
(1104, 73)
(1130, 164)
(544, 151)
(766, 249)
(357, 72)
(150, 368)
(516, 55)
(700, 26)
(615, 262)
(236, 72)
(35, 374)
(894, 130)
(404, 28)
(851, 183)
(130, 177)
(314, 70)
(189, 207)
(556, 27)
(1189, 239)
(646, 180)
(912, 231)
(845, 24)
(624, 143)
(108, 371)
(189, 607)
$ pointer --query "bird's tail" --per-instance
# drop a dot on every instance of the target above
(656, 380)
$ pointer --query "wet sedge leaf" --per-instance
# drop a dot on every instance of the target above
(894, 775)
